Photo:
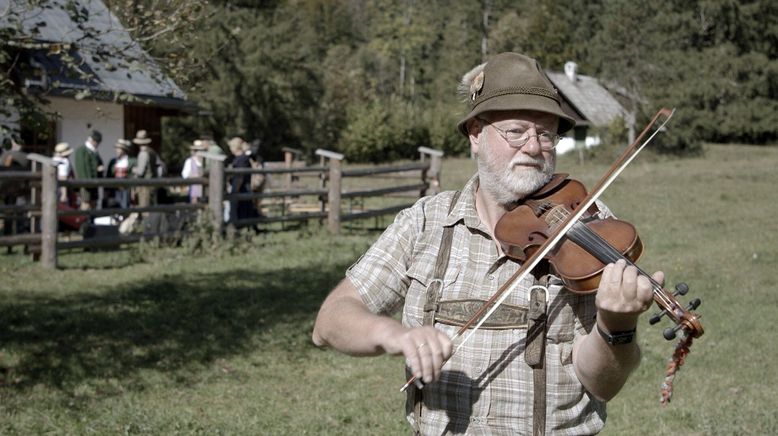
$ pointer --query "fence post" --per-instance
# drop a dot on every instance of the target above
(48, 210)
(216, 189)
(333, 196)
(289, 157)
(433, 174)
(34, 201)
(144, 196)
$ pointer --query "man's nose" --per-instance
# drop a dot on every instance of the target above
(532, 146)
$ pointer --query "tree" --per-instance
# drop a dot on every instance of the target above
(702, 58)
(168, 31)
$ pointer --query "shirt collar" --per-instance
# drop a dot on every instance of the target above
(465, 210)
(90, 146)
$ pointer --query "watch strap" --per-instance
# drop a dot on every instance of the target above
(616, 338)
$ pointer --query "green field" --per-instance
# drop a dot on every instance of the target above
(216, 340)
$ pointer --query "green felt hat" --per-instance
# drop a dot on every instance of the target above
(511, 81)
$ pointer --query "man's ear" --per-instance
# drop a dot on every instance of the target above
(474, 132)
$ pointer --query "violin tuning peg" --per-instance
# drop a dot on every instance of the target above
(694, 304)
(681, 289)
(656, 317)
(670, 332)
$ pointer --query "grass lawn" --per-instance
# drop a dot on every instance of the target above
(216, 340)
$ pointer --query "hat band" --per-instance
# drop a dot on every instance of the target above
(530, 90)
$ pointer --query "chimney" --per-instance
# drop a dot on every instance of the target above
(571, 71)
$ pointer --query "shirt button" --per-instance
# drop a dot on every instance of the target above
(491, 276)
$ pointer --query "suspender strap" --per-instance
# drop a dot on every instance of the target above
(539, 401)
(433, 295)
(441, 264)
(534, 353)
(436, 284)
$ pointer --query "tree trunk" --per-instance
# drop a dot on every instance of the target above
(487, 7)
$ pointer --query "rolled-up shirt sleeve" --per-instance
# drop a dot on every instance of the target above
(380, 275)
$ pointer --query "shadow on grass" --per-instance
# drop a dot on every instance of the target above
(166, 324)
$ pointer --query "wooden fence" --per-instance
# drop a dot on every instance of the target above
(44, 240)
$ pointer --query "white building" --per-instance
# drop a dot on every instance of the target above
(94, 75)
(589, 103)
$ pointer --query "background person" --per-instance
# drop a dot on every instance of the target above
(120, 167)
(64, 170)
(194, 166)
(146, 165)
(87, 164)
(241, 183)
(492, 385)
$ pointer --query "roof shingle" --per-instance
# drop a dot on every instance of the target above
(588, 97)
(117, 61)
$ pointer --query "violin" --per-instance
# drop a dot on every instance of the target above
(587, 247)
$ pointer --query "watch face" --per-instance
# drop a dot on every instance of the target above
(622, 339)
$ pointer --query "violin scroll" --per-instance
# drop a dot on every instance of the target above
(683, 318)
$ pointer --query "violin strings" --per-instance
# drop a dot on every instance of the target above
(602, 249)
(605, 252)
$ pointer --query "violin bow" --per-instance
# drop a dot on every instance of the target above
(509, 286)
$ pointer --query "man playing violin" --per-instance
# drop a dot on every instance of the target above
(439, 261)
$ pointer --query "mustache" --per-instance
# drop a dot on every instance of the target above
(527, 160)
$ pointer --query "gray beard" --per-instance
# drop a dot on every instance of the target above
(506, 186)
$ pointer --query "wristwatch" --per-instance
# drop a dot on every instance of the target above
(616, 338)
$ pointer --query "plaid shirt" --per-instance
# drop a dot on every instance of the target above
(486, 387)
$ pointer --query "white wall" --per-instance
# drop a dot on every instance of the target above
(78, 118)
(567, 143)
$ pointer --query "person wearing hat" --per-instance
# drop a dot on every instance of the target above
(241, 183)
(87, 164)
(119, 168)
(64, 171)
(145, 166)
(439, 261)
(194, 166)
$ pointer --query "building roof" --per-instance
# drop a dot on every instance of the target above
(112, 62)
(588, 99)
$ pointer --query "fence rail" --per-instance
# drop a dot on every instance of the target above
(132, 183)
(44, 213)
(134, 209)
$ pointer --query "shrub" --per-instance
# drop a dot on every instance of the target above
(382, 131)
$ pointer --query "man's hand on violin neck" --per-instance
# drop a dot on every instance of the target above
(425, 350)
(623, 295)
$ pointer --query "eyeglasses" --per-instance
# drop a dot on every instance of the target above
(518, 138)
